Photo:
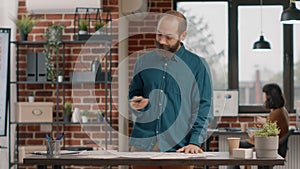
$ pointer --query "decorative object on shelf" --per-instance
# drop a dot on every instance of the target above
(84, 116)
(83, 27)
(86, 18)
(31, 97)
(67, 111)
(60, 77)
(261, 44)
(291, 15)
(53, 40)
(36, 68)
(25, 25)
(96, 65)
(34, 112)
(99, 27)
(100, 115)
(76, 115)
(266, 140)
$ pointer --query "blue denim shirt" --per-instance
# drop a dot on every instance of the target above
(180, 94)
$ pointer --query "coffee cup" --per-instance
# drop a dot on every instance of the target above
(244, 126)
(233, 142)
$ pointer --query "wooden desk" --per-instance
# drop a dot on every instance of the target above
(293, 154)
(212, 159)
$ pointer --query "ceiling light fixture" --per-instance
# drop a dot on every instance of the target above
(291, 15)
(261, 44)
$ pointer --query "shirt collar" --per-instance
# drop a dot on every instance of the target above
(181, 50)
(178, 53)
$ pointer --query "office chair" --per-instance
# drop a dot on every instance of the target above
(283, 144)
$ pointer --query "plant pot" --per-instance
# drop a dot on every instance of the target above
(30, 99)
(100, 32)
(67, 118)
(23, 37)
(266, 147)
(82, 32)
(84, 119)
(100, 118)
(60, 78)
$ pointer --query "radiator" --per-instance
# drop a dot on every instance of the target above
(292, 157)
(293, 154)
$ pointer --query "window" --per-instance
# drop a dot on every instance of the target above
(296, 61)
(240, 24)
(257, 68)
(208, 36)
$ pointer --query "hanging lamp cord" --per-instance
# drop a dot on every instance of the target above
(261, 18)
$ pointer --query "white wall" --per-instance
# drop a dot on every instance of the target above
(8, 10)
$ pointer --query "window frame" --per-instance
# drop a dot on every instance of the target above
(233, 63)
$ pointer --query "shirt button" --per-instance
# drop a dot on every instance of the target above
(160, 104)
(166, 64)
(156, 132)
(161, 91)
(164, 77)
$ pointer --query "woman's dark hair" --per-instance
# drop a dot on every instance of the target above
(275, 98)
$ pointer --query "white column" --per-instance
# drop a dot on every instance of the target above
(123, 79)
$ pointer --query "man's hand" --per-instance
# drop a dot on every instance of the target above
(138, 102)
(191, 148)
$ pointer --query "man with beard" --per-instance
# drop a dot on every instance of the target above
(170, 94)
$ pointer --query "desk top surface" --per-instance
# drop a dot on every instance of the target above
(235, 131)
(150, 158)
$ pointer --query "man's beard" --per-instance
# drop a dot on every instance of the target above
(165, 50)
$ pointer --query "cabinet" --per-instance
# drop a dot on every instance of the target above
(91, 93)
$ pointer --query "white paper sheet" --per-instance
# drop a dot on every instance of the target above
(179, 156)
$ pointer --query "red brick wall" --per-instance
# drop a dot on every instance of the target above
(87, 96)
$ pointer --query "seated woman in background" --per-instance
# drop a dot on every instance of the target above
(275, 101)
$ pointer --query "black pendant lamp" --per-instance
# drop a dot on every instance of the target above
(261, 44)
(291, 15)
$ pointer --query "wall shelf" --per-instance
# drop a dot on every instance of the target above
(58, 89)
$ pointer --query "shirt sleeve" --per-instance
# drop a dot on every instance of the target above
(202, 105)
(136, 88)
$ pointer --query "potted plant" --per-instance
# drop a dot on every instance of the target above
(25, 25)
(100, 115)
(31, 97)
(83, 27)
(98, 26)
(84, 116)
(60, 77)
(67, 111)
(266, 140)
(53, 40)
